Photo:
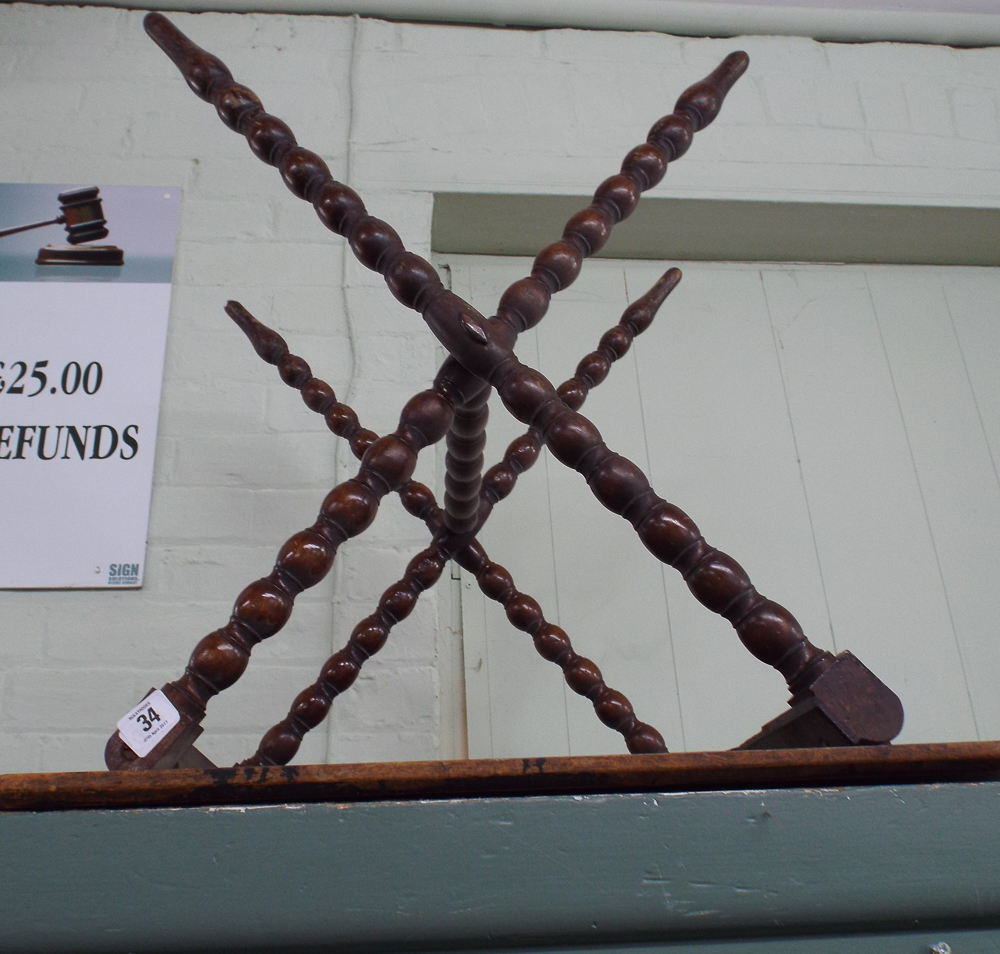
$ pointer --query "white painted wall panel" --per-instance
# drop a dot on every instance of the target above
(883, 585)
(957, 481)
(968, 536)
(819, 423)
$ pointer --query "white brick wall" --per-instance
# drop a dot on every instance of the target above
(241, 464)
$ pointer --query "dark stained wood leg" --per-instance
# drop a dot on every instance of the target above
(464, 463)
(312, 705)
(283, 740)
(829, 695)
(551, 642)
(264, 607)
(523, 451)
(768, 630)
(410, 278)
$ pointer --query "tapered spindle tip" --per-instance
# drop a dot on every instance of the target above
(665, 284)
(239, 314)
(702, 101)
(736, 64)
(669, 280)
(202, 71)
(266, 341)
(249, 325)
(159, 28)
(640, 314)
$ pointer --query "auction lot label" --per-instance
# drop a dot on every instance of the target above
(81, 366)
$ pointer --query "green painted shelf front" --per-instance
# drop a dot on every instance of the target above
(890, 850)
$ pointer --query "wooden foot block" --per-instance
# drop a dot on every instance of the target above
(847, 705)
(175, 749)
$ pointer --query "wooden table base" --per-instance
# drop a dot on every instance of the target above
(835, 700)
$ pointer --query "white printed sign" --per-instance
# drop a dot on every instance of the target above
(81, 365)
(149, 722)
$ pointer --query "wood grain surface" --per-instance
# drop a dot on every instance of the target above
(483, 778)
(481, 357)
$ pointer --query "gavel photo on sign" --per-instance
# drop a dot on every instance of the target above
(83, 217)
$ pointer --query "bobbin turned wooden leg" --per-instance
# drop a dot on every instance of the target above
(311, 706)
(282, 741)
(463, 463)
(767, 629)
(264, 607)
(833, 699)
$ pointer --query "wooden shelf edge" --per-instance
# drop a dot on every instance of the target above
(483, 778)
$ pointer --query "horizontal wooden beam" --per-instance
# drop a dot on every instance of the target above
(728, 230)
(604, 774)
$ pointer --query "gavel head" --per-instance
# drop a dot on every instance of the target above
(83, 215)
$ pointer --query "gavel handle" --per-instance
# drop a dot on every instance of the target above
(36, 225)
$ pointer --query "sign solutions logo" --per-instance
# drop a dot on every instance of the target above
(123, 574)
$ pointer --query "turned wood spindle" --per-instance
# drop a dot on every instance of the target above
(413, 280)
(480, 358)
(557, 266)
(410, 278)
(767, 629)
(264, 607)
(523, 451)
(282, 741)
(311, 706)
(551, 642)
(317, 395)
(463, 462)
(525, 302)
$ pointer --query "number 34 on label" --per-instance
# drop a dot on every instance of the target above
(146, 724)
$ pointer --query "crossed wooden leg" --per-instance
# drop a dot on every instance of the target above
(834, 700)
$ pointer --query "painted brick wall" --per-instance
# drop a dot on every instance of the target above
(399, 111)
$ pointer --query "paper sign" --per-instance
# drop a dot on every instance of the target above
(81, 364)
(148, 723)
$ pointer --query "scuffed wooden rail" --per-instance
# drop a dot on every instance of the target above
(834, 700)
(486, 778)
